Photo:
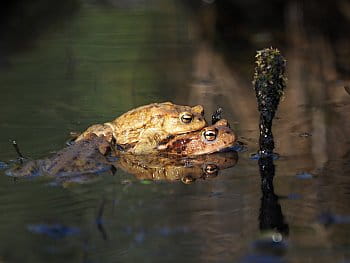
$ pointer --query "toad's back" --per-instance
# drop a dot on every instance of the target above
(160, 119)
(141, 129)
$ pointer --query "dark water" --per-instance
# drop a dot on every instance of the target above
(92, 61)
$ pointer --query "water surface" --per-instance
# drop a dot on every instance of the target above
(99, 60)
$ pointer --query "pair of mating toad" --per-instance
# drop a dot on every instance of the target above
(165, 127)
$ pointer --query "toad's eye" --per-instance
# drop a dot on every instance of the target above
(186, 117)
(211, 169)
(210, 135)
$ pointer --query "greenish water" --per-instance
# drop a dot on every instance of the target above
(101, 60)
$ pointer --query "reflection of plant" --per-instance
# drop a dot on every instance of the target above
(270, 216)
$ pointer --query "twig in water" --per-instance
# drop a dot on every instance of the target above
(216, 116)
(20, 155)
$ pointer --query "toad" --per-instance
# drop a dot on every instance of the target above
(87, 156)
(140, 130)
(208, 140)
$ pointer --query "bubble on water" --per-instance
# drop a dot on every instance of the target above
(277, 237)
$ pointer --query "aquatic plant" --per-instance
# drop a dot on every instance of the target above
(269, 84)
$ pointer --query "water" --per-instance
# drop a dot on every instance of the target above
(93, 61)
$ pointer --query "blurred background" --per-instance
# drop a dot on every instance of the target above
(65, 65)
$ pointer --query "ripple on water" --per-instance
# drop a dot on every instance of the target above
(257, 156)
(328, 218)
(304, 175)
(55, 231)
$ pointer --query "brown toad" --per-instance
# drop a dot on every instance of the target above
(208, 140)
(88, 156)
(140, 130)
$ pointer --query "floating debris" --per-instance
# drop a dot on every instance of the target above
(55, 231)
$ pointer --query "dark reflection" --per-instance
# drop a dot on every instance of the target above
(270, 217)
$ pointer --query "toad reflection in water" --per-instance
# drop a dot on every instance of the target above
(163, 168)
